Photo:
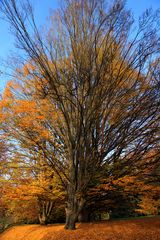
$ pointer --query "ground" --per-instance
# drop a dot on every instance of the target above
(137, 229)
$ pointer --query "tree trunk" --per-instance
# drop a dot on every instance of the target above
(71, 218)
(43, 217)
(73, 209)
(45, 211)
(84, 215)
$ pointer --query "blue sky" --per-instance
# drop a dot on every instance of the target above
(42, 8)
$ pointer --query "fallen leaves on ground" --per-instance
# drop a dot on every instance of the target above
(138, 229)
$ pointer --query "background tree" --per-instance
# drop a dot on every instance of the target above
(28, 176)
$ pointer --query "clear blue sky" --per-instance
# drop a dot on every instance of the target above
(42, 8)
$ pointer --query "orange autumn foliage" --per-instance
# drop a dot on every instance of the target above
(25, 120)
(24, 114)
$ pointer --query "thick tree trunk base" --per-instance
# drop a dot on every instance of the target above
(70, 220)
(70, 226)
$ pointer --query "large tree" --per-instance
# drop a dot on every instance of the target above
(102, 81)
